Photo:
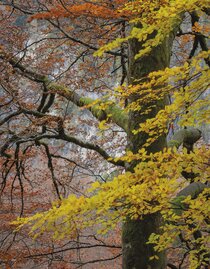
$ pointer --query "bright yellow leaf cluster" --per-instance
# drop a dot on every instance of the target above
(149, 189)
(157, 19)
(187, 227)
(184, 84)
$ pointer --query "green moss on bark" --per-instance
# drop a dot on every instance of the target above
(136, 251)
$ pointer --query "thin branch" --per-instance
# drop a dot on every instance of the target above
(171, 266)
(19, 177)
(82, 42)
(200, 38)
(64, 137)
(82, 144)
(51, 168)
(72, 248)
(6, 119)
(96, 261)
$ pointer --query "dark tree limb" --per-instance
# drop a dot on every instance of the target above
(18, 174)
(60, 136)
(199, 38)
(51, 168)
(10, 116)
(63, 137)
(82, 144)
(73, 248)
(81, 264)
(171, 266)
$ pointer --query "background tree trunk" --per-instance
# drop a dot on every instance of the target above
(136, 252)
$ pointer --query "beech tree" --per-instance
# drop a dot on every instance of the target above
(159, 193)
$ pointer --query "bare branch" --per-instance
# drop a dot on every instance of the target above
(73, 248)
(96, 261)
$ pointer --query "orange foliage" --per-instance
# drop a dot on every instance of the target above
(85, 9)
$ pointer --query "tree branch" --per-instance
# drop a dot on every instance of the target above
(116, 114)
(71, 139)
(193, 189)
(96, 261)
(171, 266)
(187, 137)
(73, 248)
(82, 42)
(200, 38)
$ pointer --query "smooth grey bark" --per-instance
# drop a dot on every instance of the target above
(187, 137)
(136, 253)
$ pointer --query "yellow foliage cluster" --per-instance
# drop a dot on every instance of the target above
(185, 227)
(184, 84)
(149, 189)
(157, 20)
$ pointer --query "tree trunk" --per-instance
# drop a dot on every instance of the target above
(136, 252)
